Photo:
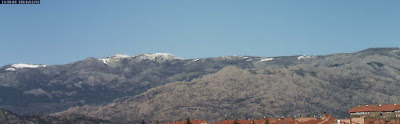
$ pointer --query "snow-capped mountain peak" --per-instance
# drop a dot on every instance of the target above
(120, 56)
(158, 56)
(114, 58)
(19, 66)
(26, 66)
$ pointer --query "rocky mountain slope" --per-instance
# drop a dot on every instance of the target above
(28, 88)
(291, 86)
(7, 117)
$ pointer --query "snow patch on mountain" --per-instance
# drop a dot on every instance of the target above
(234, 57)
(10, 69)
(248, 59)
(304, 57)
(157, 57)
(266, 59)
(18, 66)
(226, 57)
(114, 58)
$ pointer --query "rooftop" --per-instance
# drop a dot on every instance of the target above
(375, 108)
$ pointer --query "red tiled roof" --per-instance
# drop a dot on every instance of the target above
(327, 119)
(191, 121)
(375, 108)
(284, 121)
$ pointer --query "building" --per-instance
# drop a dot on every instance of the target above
(385, 112)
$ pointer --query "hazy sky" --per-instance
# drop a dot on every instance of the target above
(64, 31)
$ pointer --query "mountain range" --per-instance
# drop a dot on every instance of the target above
(159, 86)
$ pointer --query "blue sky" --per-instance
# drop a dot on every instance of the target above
(64, 31)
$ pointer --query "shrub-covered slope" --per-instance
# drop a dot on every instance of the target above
(7, 117)
(331, 83)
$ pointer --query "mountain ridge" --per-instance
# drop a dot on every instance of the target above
(332, 83)
(56, 88)
(131, 56)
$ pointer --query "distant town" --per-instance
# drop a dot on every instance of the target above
(362, 114)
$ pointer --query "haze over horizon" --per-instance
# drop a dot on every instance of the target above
(53, 33)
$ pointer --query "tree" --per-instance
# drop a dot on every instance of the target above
(157, 122)
(187, 121)
(143, 121)
(235, 122)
